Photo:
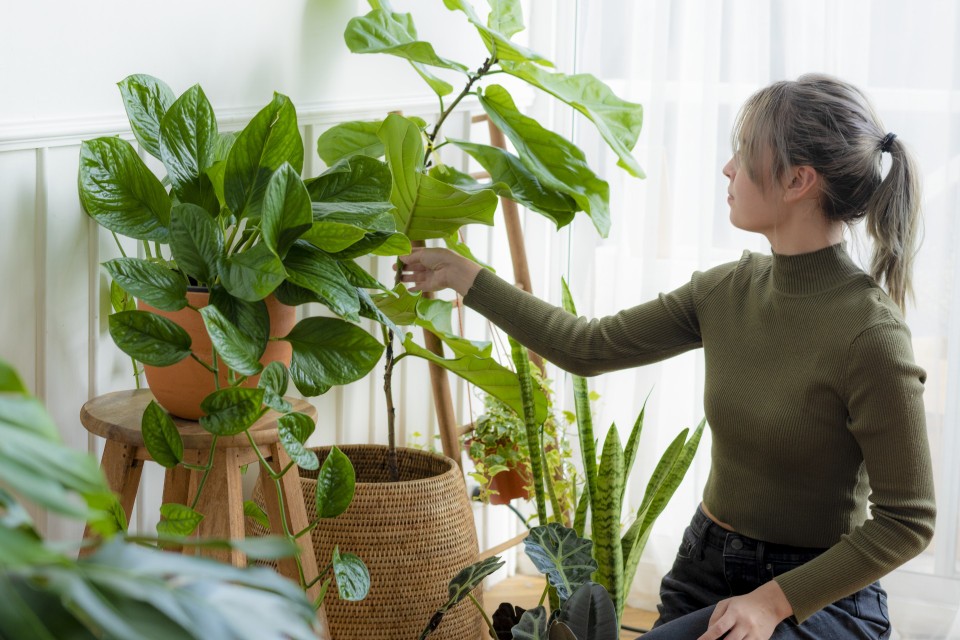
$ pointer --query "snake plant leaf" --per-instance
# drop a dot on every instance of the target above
(10, 381)
(294, 429)
(329, 351)
(349, 139)
(524, 186)
(271, 138)
(256, 513)
(178, 520)
(252, 274)
(497, 43)
(251, 318)
(188, 147)
(356, 178)
(426, 207)
(633, 442)
(285, 213)
(353, 578)
(607, 507)
(383, 31)
(120, 192)
(618, 121)
(196, 241)
(274, 381)
(336, 483)
(506, 17)
(238, 351)
(316, 271)
(558, 163)
(561, 555)
(146, 99)
(231, 411)
(533, 625)
(153, 283)
(161, 437)
(149, 338)
(590, 615)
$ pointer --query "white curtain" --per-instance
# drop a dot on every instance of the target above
(691, 63)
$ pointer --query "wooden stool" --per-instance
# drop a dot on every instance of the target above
(117, 416)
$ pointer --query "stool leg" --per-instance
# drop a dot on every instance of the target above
(122, 469)
(221, 504)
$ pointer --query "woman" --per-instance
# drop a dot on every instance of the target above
(811, 390)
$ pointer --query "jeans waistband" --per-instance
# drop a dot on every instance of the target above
(709, 533)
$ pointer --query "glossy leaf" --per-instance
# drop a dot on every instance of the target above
(153, 283)
(329, 351)
(563, 557)
(120, 300)
(251, 318)
(253, 274)
(606, 506)
(590, 615)
(618, 121)
(558, 163)
(358, 276)
(286, 210)
(10, 381)
(353, 179)
(271, 138)
(178, 520)
(315, 271)
(274, 381)
(497, 43)
(188, 145)
(368, 309)
(146, 99)
(469, 578)
(256, 513)
(149, 338)
(294, 429)
(353, 578)
(349, 139)
(237, 350)
(336, 483)
(393, 33)
(231, 411)
(120, 192)
(333, 237)
(533, 625)
(161, 437)
(196, 242)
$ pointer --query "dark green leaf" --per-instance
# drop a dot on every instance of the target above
(149, 338)
(196, 242)
(607, 506)
(160, 436)
(353, 179)
(239, 351)
(188, 146)
(177, 520)
(395, 34)
(286, 210)
(562, 556)
(469, 578)
(231, 411)
(294, 429)
(146, 99)
(119, 191)
(349, 139)
(372, 216)
(253, 274)
(329, 351)
(10, 381)
(353, 579)
(251, 318)
(590, 614)
(332, 237)
(153, 283)
(368, 309)
(358, 277)
(533, 625)
(256, 513)
(315, 271)
(336, 483)
(560, 631)
(274, 380)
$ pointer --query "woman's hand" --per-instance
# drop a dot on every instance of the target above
(753, 616)
(435, 269)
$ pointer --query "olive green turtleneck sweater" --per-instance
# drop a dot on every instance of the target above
(811, 393)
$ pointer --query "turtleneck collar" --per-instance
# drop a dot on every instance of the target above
(814, 272)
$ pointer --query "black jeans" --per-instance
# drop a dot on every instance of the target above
(714, 564)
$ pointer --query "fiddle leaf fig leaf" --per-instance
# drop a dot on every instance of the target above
(329, 351)
(161, 437)
(565, 558)
(505, 17)
(353, 578)
(196, 241)
(274, 381)
(336, 483)
(231, 411)
(533, 625)
(153, 283)
(497, 43)
(271, 138)
(355, 178)
(589, 614)
(286, 210)
(294, 429)
(149, 338)
(317, 272)
(618, 121)
(178, 520)
(256, 513)
(558, 163)
(238, 351)
(253, 274)
(348, 139)
(395, 34)
(120, 192)
(146, 99)
(188, 146)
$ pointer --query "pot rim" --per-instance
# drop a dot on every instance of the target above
(450, 463)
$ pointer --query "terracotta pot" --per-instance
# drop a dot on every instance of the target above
(508, 485)
(180, 388)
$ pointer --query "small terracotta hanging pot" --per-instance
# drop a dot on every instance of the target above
(508, 485)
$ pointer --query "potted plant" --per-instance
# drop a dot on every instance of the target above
(497, 448)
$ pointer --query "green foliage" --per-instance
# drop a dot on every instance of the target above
(336, 484)
(461, 586)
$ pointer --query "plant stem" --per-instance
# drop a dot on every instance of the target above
(204, 364)
(543, 596)
(486, 618)
(391, 411)
(206, 472)
(119, 246)
(482, 71)
(300, 534)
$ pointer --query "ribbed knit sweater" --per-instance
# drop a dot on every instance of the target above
(811, 393)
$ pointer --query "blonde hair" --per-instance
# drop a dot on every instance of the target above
(828, 124)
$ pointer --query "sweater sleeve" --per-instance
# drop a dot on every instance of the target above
(643, 334)
(884, 394)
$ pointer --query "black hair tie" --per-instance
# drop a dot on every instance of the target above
(887, 143)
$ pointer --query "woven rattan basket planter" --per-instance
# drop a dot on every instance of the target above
(413, 535)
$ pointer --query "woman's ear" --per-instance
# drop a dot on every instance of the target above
(802, 182)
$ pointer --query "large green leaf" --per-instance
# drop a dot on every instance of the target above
(196, 242)
(561, 555)
(161, 437)
(149, 338)
(251, 318)
(329, 351)
(294, 429)
(558, 163)
(188, 145)
(349, 139)
(153, 283)
(353, 179)
(462, 584)
(393, 33)
(238, 350)
(146, 99)
(590, 614)
(533, 625)
(120, 192)
(505, 17)
(271, 138)
(426, 207)
(336, 484)
(332, 237)
(353, 579)
(10, 381)
(178, 520)
(606, 506)
(497, 43)
(253, 274)
(286, 210)
(231, 411)
(274, 380)
(617, 120)
(317, 272)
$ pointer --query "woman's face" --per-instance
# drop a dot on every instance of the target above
(751, 208)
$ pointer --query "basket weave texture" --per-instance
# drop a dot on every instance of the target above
(413, 535)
